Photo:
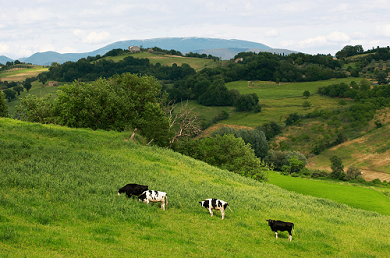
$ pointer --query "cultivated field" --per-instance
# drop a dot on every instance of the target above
(20, 74)
(58, 198)
(169, 60)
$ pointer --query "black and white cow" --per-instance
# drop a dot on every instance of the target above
(281, 226)
(215, 204)
(132, 189)
(154, 196)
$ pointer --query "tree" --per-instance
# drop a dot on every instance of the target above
(226, 152)
(337, 168)
(353, 173)
(126, 101)
(185, 121)
(306, 93)
(3, 105)
(27, 85)
(9, 94)
(43, 79)
(306, 104)
(381, 78)
(18, 89)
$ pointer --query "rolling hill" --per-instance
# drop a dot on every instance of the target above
(59, 198)
(226, 49)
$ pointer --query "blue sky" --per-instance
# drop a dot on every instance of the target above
(324, 27)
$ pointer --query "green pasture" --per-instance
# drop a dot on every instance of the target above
(58, 198)
(277, 110)
(355, 196)
(169, 60)
(29, 72)
(270, 90)
(364, 153)
(37, 90)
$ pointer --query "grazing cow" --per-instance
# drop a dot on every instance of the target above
(215, 204)
(131, 189)
(154, 196)
(281, 226)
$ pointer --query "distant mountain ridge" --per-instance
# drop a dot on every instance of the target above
(224, 48)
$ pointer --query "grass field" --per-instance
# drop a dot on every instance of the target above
(355, 196)
(58, 198)
(21, 74)
(37, 90)
(369, 152)
(271, 90)
(168, 60)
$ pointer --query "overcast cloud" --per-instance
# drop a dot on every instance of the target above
(325, 27)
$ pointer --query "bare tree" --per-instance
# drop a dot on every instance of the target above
(183, 120)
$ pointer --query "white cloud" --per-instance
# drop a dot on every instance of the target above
(272, 34)
(4, 49)
(95, 37)
(383, 30)
(338, 36)
(359, 35)
(92, 37)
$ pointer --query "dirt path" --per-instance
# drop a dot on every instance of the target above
(371, 175)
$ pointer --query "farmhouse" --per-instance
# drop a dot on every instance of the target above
(53, 83)
(134, 49)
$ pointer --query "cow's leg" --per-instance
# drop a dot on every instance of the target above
(163, 204)
(211, 212)
(290, 237)
(276, 234)
(223, 213)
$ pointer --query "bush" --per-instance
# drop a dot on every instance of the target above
(337, 168)
(226, 152)
(319, 173)
(352, 173)
(3, 105)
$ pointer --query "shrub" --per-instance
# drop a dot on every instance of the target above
(319, 173)
(337, 168)
(352, 173)
(226, 152)
(3, 105)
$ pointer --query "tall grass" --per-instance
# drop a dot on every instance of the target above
(58, 197)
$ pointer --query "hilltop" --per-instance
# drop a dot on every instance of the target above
(59, 198)
(226, 49)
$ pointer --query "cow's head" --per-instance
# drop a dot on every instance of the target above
(142, 197)
(202, 203)
(270, 222)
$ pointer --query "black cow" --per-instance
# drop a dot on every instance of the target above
(132, 189)
(281, 226)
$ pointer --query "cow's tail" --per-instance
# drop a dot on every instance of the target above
(166, 200)
(229, 208)
(293, 229)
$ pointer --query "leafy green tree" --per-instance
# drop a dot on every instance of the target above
(226, 152)
(3, 105)
(18, 89)
(9, 94)
(306, 104)
(381, 78)
(34, 109)
(256, 139)
(306, 93)
(126, 101)
(27, 85)
(353, 173)
(245, 102)
(43, 79)
(337, 168)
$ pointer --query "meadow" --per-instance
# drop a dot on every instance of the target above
(58, 198)
(168, 60)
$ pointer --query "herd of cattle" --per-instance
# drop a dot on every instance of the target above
(145, 195)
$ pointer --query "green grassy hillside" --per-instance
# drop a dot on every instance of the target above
(164, 59)
(58, 198)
